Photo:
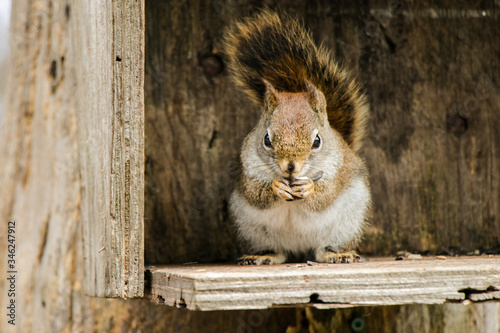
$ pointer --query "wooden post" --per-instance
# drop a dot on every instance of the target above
(110, 102)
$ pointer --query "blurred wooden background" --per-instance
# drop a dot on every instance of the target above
(432, 73)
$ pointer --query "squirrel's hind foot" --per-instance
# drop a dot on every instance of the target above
(267, 259)
(330, 256)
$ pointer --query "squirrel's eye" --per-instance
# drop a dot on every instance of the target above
(316, 142)
(267, 141)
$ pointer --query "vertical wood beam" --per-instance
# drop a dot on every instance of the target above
(110, 94)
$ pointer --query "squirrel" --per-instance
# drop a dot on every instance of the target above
(302, 190)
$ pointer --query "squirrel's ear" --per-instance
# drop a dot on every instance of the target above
(271, 96)
(316, 98)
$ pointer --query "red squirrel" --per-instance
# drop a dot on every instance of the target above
(302, 189)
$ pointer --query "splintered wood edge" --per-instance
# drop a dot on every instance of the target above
(382, 281)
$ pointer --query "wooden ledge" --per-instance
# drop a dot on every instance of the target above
(381, 281)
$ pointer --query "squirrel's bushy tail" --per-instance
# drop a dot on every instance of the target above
(279, 49)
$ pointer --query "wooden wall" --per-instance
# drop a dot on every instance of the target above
(195, 122)
(431, 72)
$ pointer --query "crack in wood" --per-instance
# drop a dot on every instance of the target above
(481, 295)
(314, 298)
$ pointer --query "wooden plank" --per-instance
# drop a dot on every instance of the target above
(110, 97)
(378, 282)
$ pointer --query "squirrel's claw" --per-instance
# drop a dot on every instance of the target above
(282, 189)
(267, 259)
(329, 256)
(302, 188)
(299, 189)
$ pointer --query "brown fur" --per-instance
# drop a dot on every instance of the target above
(258, 193)
(292, 123)
(327, 192)
(281, 51)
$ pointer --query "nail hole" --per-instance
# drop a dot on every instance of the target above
(358, 324)
(456, 124)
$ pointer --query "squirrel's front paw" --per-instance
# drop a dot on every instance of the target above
(302, 188)
(281, 188)
(267, 259)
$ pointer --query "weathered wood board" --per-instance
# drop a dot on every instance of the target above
(110, 99)
(40, 176)
(378, 282)
(431, 73)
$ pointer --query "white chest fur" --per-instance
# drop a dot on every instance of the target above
(291, 227)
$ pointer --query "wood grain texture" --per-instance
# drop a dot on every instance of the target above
(40, 183)
(379, 282)
(194, 127)
(39, 173)
(431, 73)
(110, 36)
(433, 76)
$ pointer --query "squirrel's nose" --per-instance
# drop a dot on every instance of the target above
(291, 167)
